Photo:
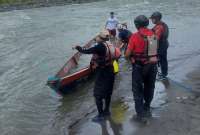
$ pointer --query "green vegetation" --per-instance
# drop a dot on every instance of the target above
(15, 1)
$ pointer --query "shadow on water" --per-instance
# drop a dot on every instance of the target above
(112, 125)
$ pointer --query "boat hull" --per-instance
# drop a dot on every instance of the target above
(64, 80)
(75, 76)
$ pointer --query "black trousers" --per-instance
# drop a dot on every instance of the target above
(143, 84)
(103, 88)
(103, 104)
(163, 63)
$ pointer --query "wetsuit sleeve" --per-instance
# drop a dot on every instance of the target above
(158, 30)
(91, 50)
(97, 49)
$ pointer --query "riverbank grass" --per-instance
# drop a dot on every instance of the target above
(11, 2)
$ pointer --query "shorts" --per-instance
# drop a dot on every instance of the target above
(112, 32)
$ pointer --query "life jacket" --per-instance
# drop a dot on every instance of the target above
(165, 34)
(150, 51)
(163, 41)
(112, 53)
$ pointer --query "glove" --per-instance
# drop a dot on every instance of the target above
(78, 48)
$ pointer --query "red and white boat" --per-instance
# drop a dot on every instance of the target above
(64, 79)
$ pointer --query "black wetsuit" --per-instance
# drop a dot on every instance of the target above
(104, 78)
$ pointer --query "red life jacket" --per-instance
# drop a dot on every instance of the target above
(112, 53)
(149, 55)
(162, 32)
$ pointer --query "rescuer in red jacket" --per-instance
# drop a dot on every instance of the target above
(142, 51)
(162, 32)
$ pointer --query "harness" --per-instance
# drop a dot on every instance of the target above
(149, 55)
(112, 54)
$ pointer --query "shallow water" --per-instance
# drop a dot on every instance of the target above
(35, 43)
(121, 121)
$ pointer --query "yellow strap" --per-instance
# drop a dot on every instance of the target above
(115, 66)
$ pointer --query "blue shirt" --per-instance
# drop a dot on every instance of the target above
(124, 35)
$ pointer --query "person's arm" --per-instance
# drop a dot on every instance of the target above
(91, 50)
(128, 53)
(119, 43)
(129, 49)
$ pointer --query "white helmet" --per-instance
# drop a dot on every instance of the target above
(120, 26)
(104, 34)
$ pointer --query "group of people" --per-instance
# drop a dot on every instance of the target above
(146, 49)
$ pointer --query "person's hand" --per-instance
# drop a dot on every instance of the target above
(78, 48)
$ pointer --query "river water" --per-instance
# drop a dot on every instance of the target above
(35, 43)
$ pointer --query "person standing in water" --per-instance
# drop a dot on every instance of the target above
(162, 32)
(123, 35)
(104, 74)
(142, 51)
(111, 24)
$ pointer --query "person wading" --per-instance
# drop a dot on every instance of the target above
(162, 32)
(102, 61)
(124, 35)
(111, 24)
(142, 51)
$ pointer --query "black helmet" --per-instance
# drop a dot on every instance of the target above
(141, 21)
(156, 15)
(112, 13)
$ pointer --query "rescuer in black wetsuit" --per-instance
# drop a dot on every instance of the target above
(104, 76)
